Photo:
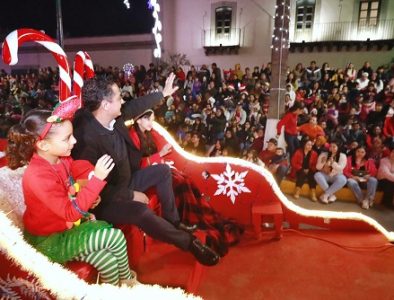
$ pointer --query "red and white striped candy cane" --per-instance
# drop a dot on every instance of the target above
(83, 69)
(16, 38)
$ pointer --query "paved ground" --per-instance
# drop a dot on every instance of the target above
(380, 213)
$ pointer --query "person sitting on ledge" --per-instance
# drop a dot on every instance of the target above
(303, 166)
(275, 159)
(361, 173)
(330, 167)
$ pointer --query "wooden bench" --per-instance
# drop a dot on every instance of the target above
(345, 194)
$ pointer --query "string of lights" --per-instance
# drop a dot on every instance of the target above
(127, 4)
(157, 27)
(280, 36)
(156, 30)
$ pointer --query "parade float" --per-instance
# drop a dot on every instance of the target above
(236, 188)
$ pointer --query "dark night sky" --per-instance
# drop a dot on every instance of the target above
(80, 17)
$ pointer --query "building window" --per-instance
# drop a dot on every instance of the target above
(223, 17)
(369, 12)
(305, 14)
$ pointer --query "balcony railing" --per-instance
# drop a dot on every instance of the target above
(211, 38)
(344, 31)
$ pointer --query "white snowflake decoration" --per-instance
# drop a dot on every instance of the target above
(231, 183)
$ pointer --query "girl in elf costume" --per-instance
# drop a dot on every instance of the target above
(57, 222)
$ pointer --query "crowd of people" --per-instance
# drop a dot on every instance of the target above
(224, 112)
(338, 125)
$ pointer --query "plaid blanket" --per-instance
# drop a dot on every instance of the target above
(195, 209)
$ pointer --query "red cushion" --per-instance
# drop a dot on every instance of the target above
(83, 270)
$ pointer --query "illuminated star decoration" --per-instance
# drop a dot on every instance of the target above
(128, 69)
(231, 183)
(156, 28)
(127, 3)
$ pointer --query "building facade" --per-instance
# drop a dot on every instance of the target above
(231, 32)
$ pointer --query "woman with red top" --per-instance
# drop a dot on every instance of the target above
(361, 172)
(375, 132)
(180, 75)
(303, 166)
(377, 151)
(289, 121)
(388, 128)
(192, 207)
(57, 222)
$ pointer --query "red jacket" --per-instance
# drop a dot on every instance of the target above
(370, 167)
(388, 128)
(289, 120)
(298, 158)
(48, 208)
(266, 156)
(148, 160)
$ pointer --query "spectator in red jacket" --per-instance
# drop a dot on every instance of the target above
(388, 128)
(375, 132)
(289, 121)
(361, 173)
(303, 166)
(275, 159)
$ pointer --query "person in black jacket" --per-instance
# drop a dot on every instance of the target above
(99, 129)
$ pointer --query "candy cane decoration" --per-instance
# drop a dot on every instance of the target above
(16, 38)
(83, 69)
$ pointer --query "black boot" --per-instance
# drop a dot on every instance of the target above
(205, 255)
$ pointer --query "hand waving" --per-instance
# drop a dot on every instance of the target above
(169, 89)
(104, 165)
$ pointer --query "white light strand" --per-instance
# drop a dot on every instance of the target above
(283, 12)
(127, 3)
(156, 28)
(334, 215)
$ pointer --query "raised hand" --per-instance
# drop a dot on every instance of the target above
(169, 89)
(104, 165)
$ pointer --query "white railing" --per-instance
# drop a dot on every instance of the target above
(213, 39)
(343, 31)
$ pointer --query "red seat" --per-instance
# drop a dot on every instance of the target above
(83, 270)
